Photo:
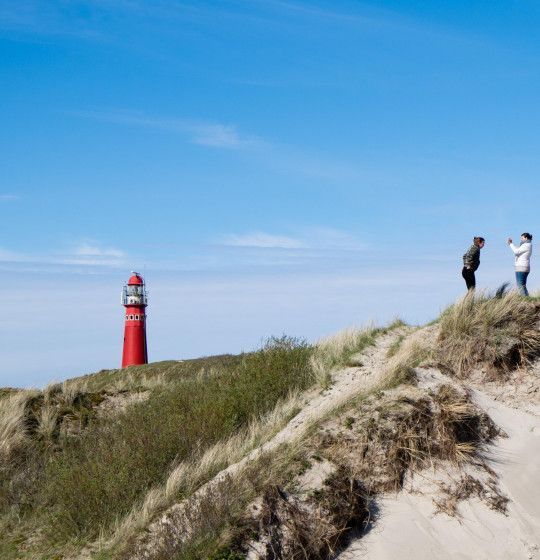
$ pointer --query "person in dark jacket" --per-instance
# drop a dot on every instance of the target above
(471, 262)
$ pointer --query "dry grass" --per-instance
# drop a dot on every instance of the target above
(47, 428)
(337, 351)
(130, 382)
(406, 430)
(461, 428)
(297, 528)
(411, 352)
(467, 486)
(499, 333)
(13, 422)
(51, 391)
(70, 391)
(395, 346)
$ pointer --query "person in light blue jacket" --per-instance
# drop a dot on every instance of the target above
(523, 261)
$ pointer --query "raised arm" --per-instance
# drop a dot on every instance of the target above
(517, 250)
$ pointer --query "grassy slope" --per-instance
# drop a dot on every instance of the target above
(60, 488)
(63, 487)
(380, 438)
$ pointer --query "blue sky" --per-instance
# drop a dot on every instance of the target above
(272, 166)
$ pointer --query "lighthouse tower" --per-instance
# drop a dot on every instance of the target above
(135, 302)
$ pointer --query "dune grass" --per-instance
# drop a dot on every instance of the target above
(338, 350)
(86, 482)
(494, 331)
(413, 429)
(72, 475)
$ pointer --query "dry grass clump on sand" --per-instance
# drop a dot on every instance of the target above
(406, 430)
(462, 429)
(261, 514)
(296, 527)
(468, 486)
(498, 332)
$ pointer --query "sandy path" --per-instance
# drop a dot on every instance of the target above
(172, 525)
(408, 529)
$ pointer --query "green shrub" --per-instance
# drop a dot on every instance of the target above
(98, 476)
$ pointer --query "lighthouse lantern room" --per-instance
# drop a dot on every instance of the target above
(134, 299)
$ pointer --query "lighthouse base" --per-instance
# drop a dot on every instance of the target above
(135, 350)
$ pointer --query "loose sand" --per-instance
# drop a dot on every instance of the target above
(408, 526)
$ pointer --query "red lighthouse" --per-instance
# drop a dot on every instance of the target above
(135, 302)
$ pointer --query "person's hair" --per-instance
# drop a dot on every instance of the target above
(479, 240)
(527, 236)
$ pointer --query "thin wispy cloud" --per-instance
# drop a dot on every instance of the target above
(284, 159)
(290, 160)
(371, 19)
(335, 239)
(89, 250)
(204, 133)
(217, 135)
(83, 254)
(262, 241)
(313, 239)
(90, 254)
(9, 197)
(10, 256)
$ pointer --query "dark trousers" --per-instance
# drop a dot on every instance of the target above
(470, 280)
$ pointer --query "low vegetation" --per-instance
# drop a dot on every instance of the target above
(497, 332)
(338, 350)
(366, 448)
(94, 462)
(77, 464)
(71, 472)
(391, 437)
(405, 430)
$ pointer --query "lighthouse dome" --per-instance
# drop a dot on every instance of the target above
(135, 280)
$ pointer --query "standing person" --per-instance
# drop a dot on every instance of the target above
(471, 262)
(523, 261)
